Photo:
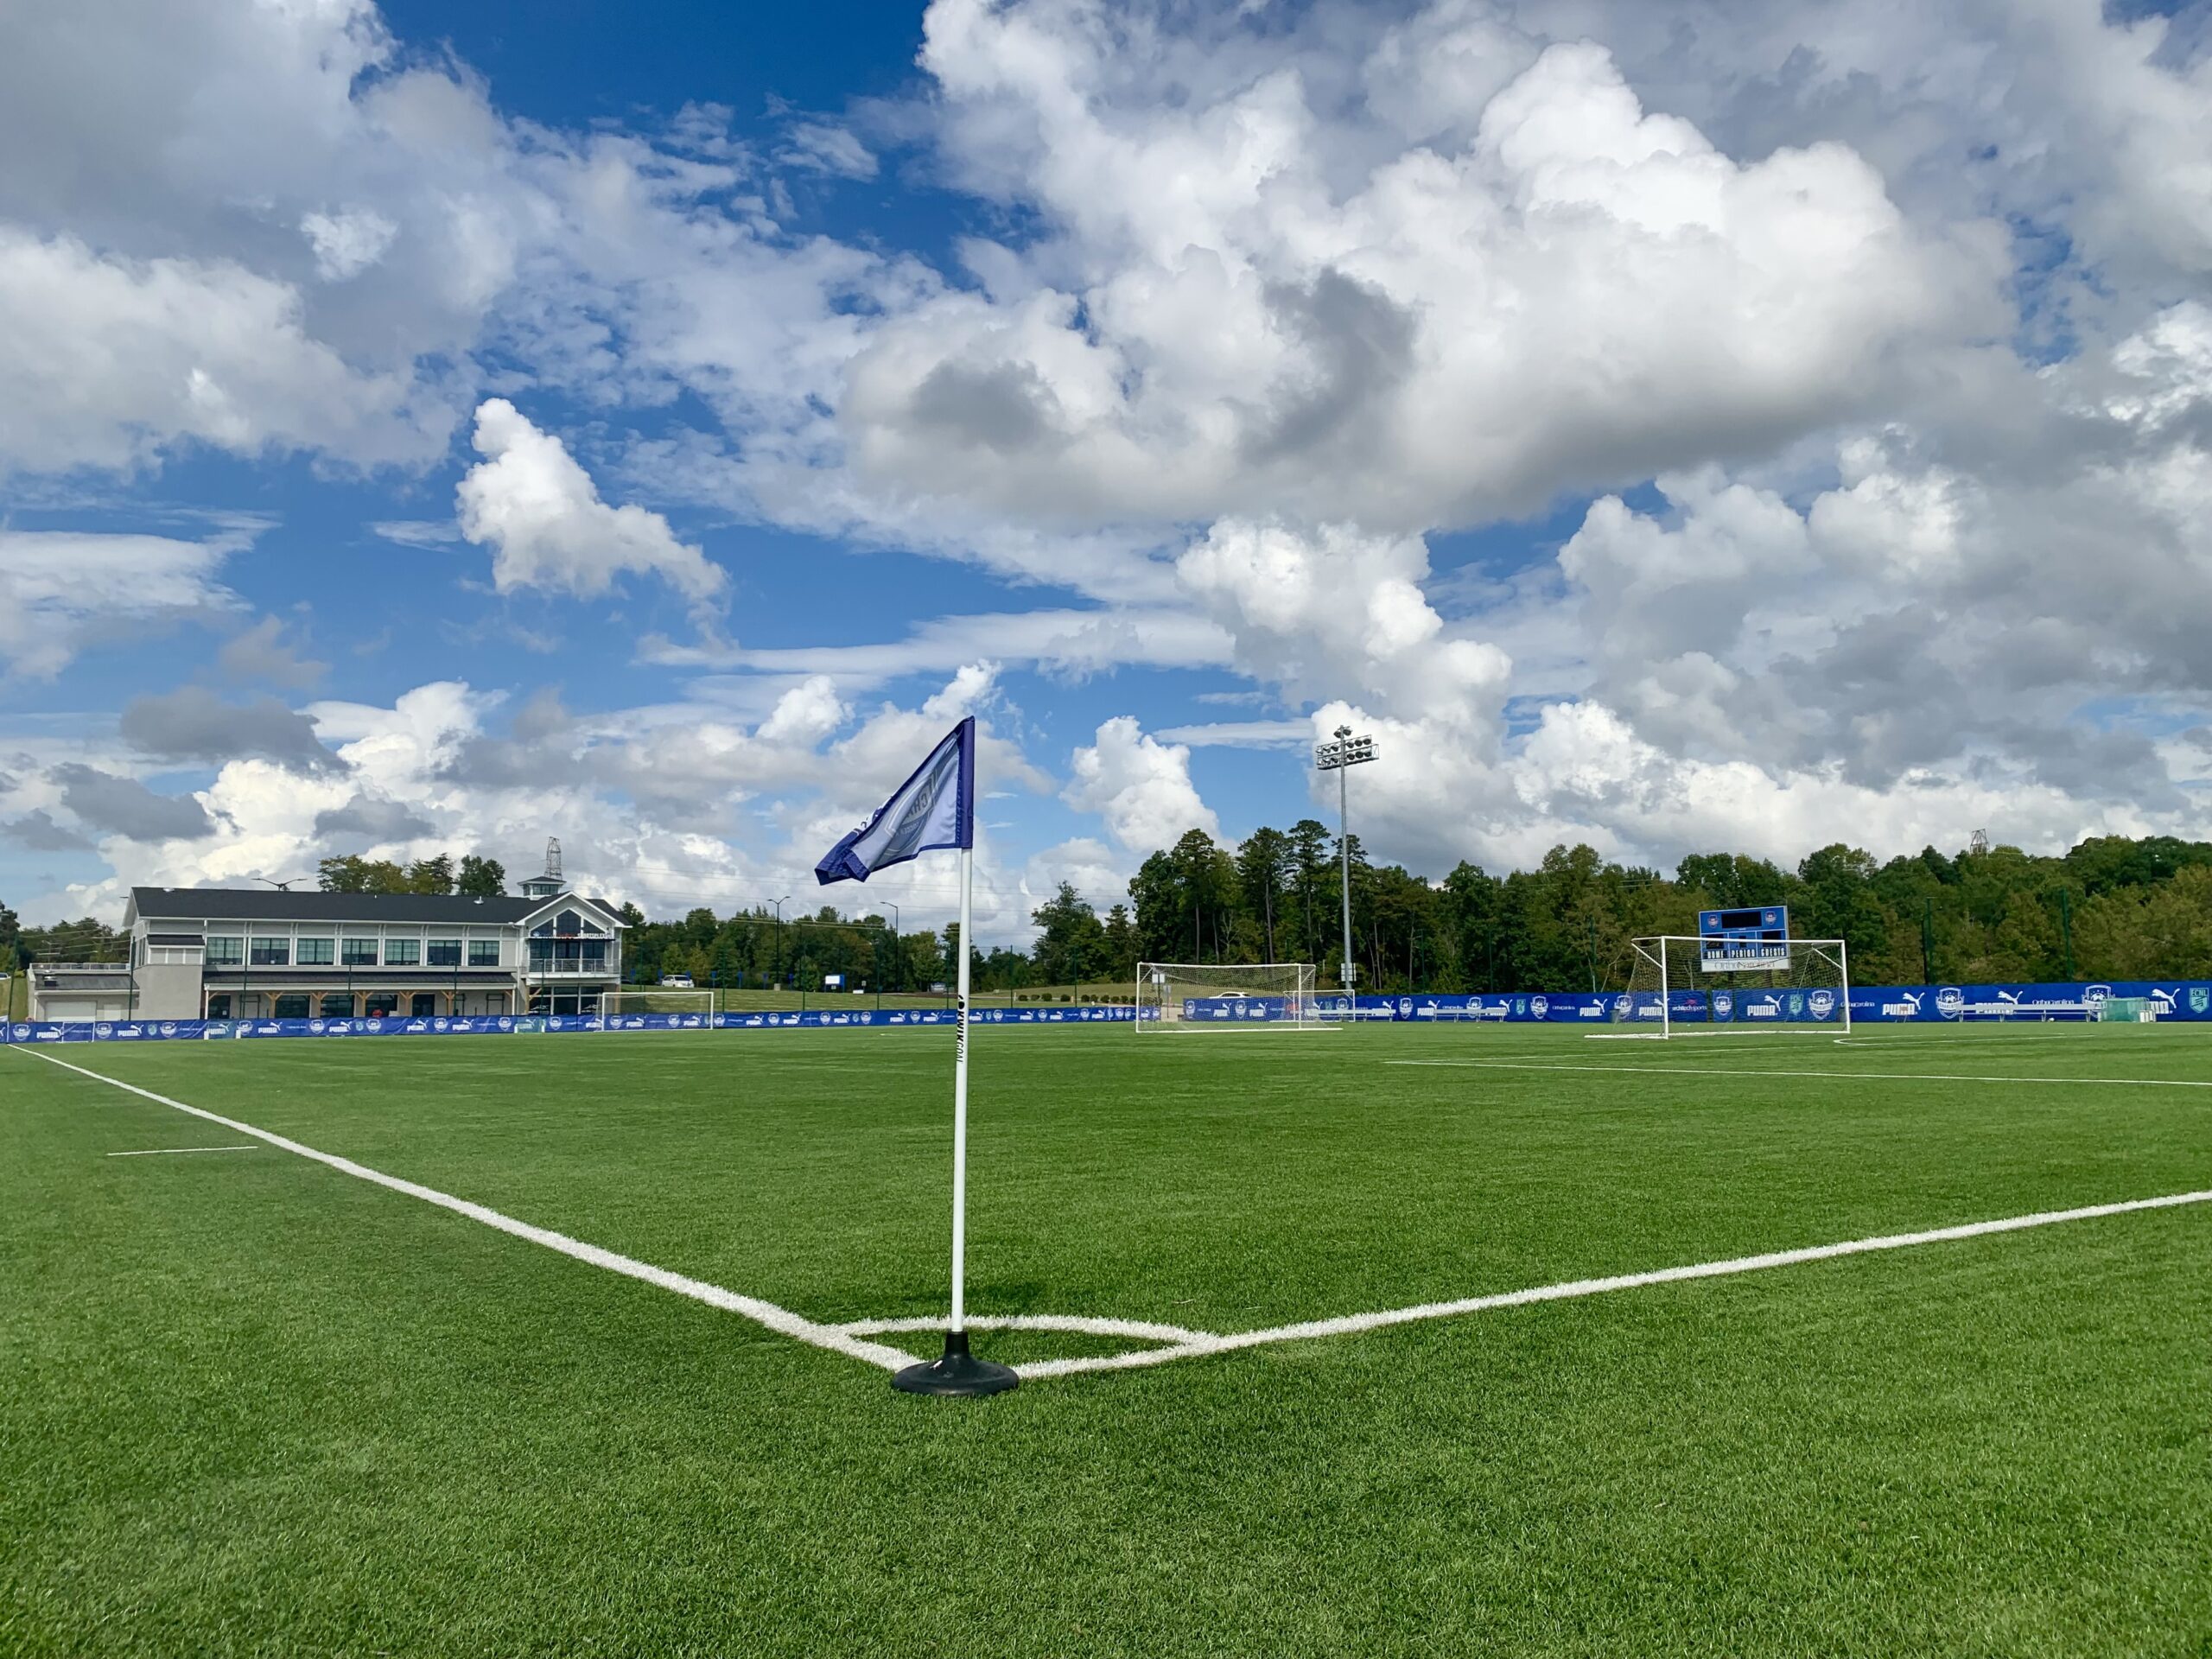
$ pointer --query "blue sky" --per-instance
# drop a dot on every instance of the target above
(442, 429)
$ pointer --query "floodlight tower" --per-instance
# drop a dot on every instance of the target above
(1340, 757)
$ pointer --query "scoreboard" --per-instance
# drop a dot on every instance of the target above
(1746, 940)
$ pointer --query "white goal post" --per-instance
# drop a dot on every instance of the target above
(1226, 996)
(1799, 987)
(615, 1009)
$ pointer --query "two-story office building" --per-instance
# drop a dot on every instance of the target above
(221, 953)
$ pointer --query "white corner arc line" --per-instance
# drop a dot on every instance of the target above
(1353, 1324)
(1763, 1072)
(781, 1320)
(1075, 1323)
(159, 1152)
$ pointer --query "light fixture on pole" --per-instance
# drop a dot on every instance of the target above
(1339, 757)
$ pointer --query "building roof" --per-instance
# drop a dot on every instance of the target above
(273, 904)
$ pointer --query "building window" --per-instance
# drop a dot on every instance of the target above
(271, 953)
(316, 953)
(225, 953)
(595, 956)
(337, 1005)
(218, 1006)
(291, 1008)
(483, 953)
(568, 922)
(360, 953)
(445, 953)
(401, 953)
(381, 1005)
(541, 956)
(423, 1004)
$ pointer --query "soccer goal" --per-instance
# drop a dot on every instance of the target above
(1208, 996)
(1688, 987)
(690, 1010)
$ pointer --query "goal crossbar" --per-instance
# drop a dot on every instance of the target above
(1673, 994)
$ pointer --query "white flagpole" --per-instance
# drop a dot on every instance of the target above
(960, 1101)
(959, 1372)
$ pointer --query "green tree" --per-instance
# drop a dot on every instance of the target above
(2024, 943)
(431, 876)
(347, 873)
(1158, 897)
(1119, 942)
(1732, 880)
(1838, 901)
(1071, 943)
(1312, 899)
(481, 878)
(1470, 907)
(1263, 873)
(351, 873)
(1205, 879)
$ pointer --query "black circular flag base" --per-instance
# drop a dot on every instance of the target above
(956, 1372)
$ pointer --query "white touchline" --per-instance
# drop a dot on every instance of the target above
(779, 1319)
(1352, 1324)
(1751, 1071)
(156, 1152)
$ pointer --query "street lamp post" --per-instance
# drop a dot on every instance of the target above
(1340, 757)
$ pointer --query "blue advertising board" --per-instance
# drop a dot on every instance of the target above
(2168, 999)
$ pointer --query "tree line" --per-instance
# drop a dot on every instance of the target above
(2112, 908)
(474, 877)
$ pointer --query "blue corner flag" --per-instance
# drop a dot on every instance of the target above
(934, 808)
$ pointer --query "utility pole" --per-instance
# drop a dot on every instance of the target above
(1340, 757)
(2066, 930)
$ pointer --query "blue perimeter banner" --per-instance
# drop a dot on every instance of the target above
(2184, 1000)
(115, 1031)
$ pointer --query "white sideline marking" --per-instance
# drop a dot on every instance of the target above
(156, 1152)
(1352, 1324)
(1749, 1072)
(779, 1319)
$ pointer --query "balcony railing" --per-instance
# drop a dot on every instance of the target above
(605, 968)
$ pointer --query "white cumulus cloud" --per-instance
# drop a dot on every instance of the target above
(541, 515)
(1140, 786)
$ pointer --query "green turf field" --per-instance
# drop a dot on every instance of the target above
(254, 1405)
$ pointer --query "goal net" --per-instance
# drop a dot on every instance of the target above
(1245, 996)
(687, 1010)
(1683, 987)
